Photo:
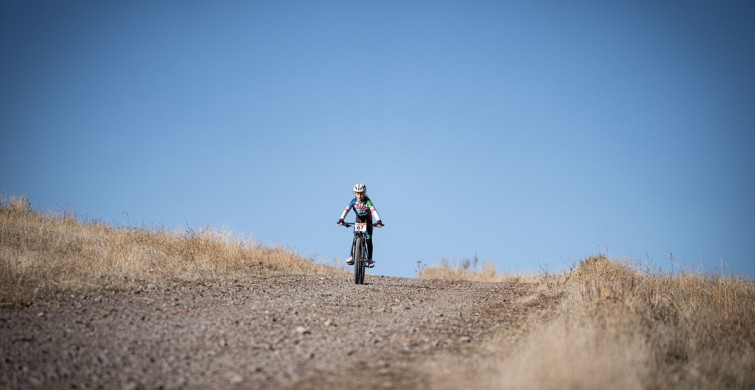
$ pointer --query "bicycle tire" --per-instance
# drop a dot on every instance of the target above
(359, 261)
(364, 261)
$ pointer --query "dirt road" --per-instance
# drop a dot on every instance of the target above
(276, 331)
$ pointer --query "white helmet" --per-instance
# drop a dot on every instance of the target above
(360, 187)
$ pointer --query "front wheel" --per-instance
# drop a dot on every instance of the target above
(359, 256)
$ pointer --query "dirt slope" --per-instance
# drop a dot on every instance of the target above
(284, 331)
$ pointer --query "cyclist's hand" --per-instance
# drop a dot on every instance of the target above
(379, 223)
(340, 222)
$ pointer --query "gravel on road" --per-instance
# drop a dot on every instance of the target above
(271, 331)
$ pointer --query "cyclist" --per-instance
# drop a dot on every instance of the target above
(364, 209)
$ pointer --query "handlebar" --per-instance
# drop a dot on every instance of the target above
(350, 224)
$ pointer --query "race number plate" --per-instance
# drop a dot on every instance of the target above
(360, 227)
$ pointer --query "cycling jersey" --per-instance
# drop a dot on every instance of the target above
(363, 209)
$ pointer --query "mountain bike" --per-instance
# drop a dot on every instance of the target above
(360, 249)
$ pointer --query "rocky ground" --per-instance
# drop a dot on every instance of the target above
(275, 331)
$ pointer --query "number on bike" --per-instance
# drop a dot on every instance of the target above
(360, 227)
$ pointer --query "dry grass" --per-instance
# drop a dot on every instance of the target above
(620, 328)
(40, 253)
(468, 269)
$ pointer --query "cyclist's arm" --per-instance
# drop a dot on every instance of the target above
(373, 210)
(346, 210)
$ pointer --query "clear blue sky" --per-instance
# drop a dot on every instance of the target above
(530, 133)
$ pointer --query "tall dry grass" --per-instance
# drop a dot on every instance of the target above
(620, 328)
(470, 269)
(41, 252)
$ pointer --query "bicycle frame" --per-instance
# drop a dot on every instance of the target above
(359, 253)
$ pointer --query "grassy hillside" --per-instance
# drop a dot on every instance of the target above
(605, 324)
(617, 327)
(42, 252)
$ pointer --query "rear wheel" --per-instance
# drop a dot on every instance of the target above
(359, 255)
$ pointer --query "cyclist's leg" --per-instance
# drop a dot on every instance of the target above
(350, 260)
(369, 240)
